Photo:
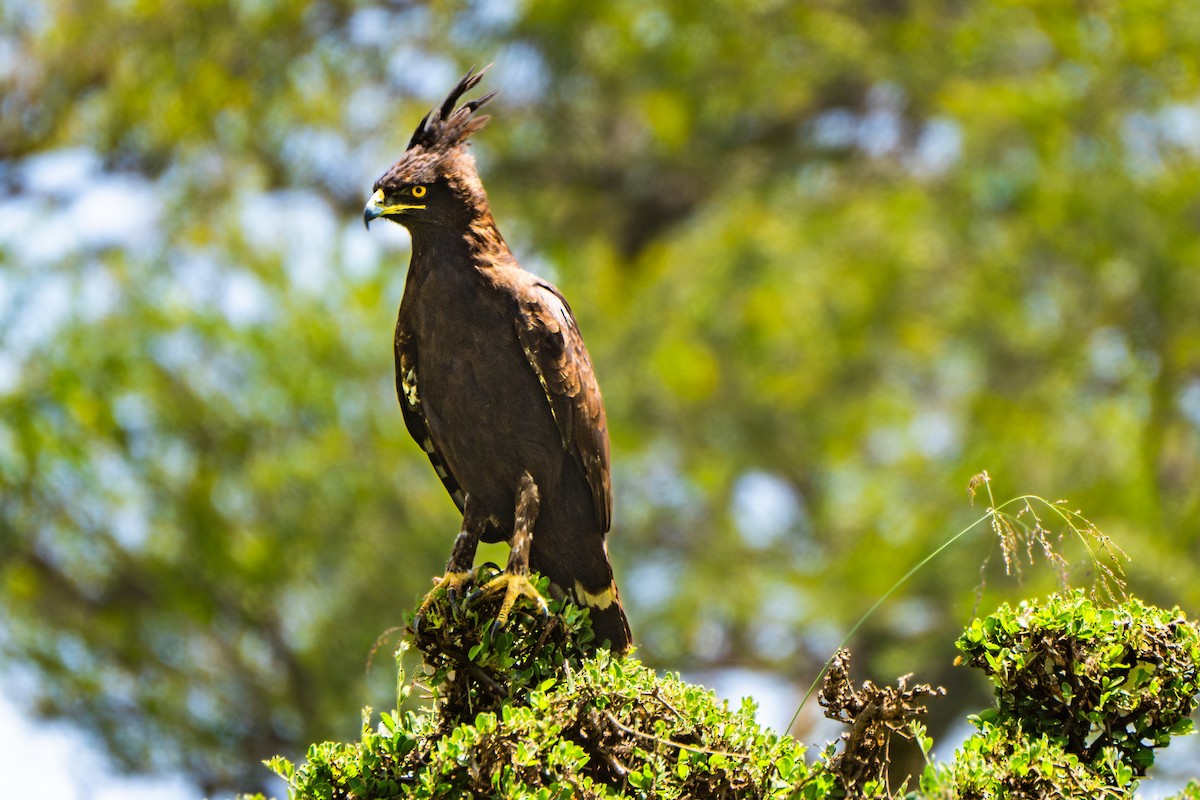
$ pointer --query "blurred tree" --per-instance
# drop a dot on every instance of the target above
(831, 259)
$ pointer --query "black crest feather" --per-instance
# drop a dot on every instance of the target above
(446, 127)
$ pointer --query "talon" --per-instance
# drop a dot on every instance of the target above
(514, 586)
(452, 582)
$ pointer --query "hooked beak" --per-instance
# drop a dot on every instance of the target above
(377, 207)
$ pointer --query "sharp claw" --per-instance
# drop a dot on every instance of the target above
(453, 582)
(509, 585)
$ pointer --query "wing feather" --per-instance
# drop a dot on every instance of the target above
(409, 393)
(555, 349)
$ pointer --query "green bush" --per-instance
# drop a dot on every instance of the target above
(1119, 679)
(1084, 694)
(527, 711)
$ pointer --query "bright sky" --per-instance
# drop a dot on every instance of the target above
(57, 762)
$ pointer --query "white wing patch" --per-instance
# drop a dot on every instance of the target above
(409, 385)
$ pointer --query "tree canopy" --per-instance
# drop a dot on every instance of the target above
(831, 260)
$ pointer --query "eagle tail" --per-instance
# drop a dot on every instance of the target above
(610, 624)
(589, 583)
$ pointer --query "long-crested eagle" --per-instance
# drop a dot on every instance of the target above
(495, 382)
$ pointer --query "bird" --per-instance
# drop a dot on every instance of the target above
(495, 383)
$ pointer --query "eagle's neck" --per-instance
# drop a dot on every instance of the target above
(477, 244)
(487, 246)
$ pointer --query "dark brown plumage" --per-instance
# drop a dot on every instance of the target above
(495, 382)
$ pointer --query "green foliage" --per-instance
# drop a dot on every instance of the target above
(1189, 792)
(1110, 683)
(1006, 761)
(1084, 694)
(476, 665)
(575, 724)
(528, 713)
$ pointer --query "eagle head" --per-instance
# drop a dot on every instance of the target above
(435, 181)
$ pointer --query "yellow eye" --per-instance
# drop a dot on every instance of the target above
(418, 191)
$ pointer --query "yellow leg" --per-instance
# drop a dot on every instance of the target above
(514, 581)
(462, 557)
